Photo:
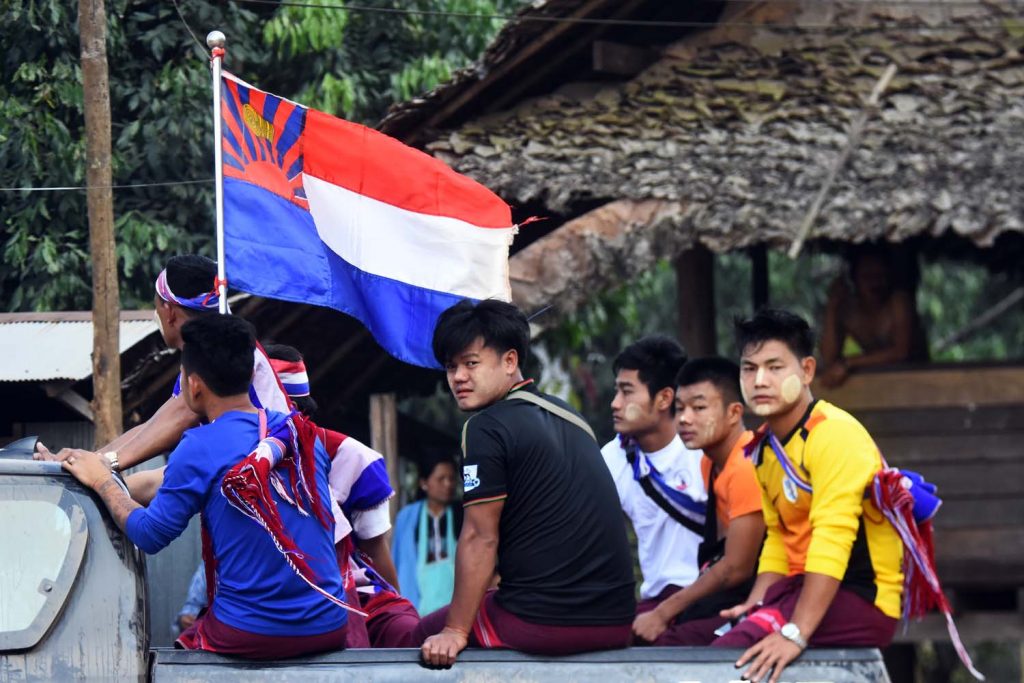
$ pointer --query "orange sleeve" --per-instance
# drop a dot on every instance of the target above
(744, 491)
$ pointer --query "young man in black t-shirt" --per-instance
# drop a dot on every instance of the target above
(540, 507)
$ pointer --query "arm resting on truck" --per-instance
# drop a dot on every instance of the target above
(475, 560)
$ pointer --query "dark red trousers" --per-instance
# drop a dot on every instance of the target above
(496, 627)
(211, 634)
(851, 621)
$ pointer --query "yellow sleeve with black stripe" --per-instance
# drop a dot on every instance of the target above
(841, 460)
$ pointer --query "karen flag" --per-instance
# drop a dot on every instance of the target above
(323, 211)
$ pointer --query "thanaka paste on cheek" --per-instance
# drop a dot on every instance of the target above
(632, 412)
(791, 388)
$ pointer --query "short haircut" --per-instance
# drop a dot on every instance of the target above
(501, 325)
(219, 349)
(775, 324)
(307, 405)
(720, 372)
(656, 358)
(190, 275)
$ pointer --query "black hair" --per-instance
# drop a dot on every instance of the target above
(720, 372)
(656, 358)
(189, 276)
(219, 349)
(775, 324)
(307, 405)
(501, 325)
(428, 464)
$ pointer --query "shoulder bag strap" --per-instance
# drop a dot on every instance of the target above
(632, 453)
(554, 409)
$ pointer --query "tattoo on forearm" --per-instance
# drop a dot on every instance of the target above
(117, 501)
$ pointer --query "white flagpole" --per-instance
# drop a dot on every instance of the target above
(216, 41)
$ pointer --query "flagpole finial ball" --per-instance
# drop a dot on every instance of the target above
(215, 39)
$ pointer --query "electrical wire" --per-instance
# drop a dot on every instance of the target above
(653, 23)
(70, 188)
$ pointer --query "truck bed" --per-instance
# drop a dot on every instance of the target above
(649, 664)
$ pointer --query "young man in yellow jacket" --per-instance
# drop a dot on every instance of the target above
(829, 573)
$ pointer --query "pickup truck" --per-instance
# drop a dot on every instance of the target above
(73, 608)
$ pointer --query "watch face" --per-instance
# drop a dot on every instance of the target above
(790, 630)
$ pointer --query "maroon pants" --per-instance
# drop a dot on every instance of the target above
(392, 621)
(851, 621)
(496, 627)
(211, 634)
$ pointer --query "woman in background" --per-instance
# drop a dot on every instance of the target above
(425, 538)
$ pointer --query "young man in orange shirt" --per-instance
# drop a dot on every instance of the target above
(709, 417)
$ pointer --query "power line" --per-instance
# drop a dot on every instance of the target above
(70, 188)
(654, 23)
(202, 48)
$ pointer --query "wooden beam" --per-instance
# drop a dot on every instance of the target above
(61, 391)
(929, 386)
(695, 298)
(106, 354)
(514, 91)
(384, 439)
(556, 32)
(620, 59)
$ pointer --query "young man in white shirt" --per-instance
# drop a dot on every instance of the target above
(658, 479)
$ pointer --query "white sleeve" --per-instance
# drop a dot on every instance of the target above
(373, 522)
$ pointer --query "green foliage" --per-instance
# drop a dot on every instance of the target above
(353, 64)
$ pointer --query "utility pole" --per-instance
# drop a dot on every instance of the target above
(106, 307)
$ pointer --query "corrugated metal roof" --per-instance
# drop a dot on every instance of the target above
(39, 347)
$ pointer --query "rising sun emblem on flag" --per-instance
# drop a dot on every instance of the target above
(261, 145)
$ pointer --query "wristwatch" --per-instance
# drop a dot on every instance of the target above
(111, 457)
(791, 632)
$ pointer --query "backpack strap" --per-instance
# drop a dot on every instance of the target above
(553, 408)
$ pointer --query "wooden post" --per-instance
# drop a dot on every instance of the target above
(761, 293)
(384, 439)
(695, 298)
(106, 357)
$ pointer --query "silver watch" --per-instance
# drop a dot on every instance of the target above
(791, 632)
(111, 457)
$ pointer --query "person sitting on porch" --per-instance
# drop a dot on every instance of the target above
(709, 417)
(873, 323)
(278, 591)
(540, 507)
(830, 570)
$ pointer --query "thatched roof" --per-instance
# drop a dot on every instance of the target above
(739, 124)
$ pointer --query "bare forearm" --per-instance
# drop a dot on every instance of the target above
(123, 440)
(379, 552)
(474, 566)
(815, 598)
(160, 434)
(763, 582)
(117, 501)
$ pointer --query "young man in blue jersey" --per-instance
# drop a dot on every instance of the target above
(265, 606)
